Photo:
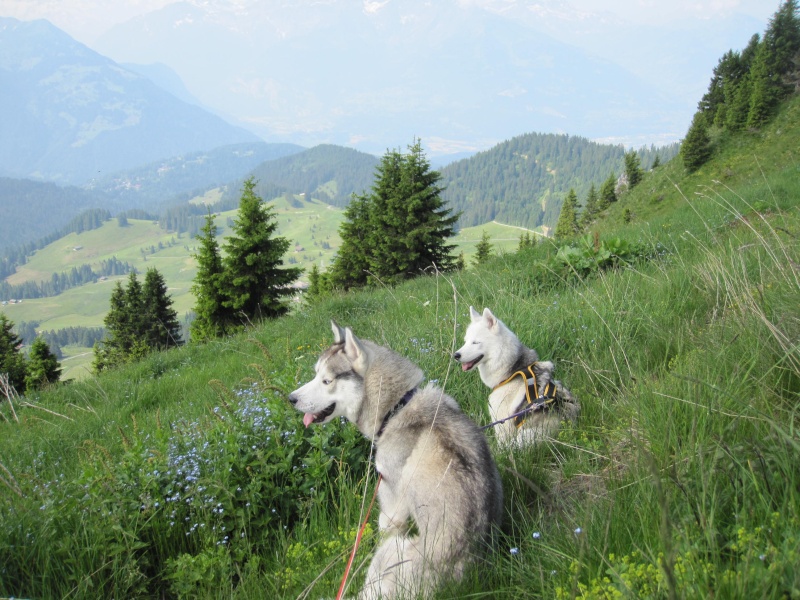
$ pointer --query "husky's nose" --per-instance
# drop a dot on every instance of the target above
(293, 399)
(457, 355)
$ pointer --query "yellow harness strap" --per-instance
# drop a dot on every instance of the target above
(546, 400)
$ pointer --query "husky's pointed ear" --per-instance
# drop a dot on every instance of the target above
(474, 315)
(355, 352)
(491, 320)
(338, 333)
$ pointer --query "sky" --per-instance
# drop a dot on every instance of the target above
(677, 43)
(85, 20)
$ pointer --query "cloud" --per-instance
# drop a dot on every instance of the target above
(373, 6)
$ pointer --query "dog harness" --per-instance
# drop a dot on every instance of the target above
(528, 405)
(395, 409)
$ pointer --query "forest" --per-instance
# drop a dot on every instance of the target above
(523, 181)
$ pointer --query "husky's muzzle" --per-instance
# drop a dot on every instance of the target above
(466, 366)
(309, 418)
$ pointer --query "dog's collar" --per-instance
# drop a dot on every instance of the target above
(543, 402)
(395, 409)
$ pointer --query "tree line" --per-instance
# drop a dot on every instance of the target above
(573, 221)
(85, 337)
(18, 256)
(60, 282)
(747, 86)
(522, 180)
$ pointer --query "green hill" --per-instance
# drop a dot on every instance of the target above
(189, 475)
(524, 180)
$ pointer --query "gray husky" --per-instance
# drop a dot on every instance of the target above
(519, 382)
(436, 468)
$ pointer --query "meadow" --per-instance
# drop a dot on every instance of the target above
(189, 475)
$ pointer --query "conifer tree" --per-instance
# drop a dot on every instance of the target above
(483, 250)
(633, 170)
(428, 224)
(125, 338)
(386, 251)
(776, 57)
(352, 262)
(212, 318)
(400, 229)
(567, 225)
(12, 362)
(526, 241)
(592, 206)
(161, 325)
(253, 278)
(319, 284)
(43, 366)
(738, 110)
(608, 193)
(134, 311)
(782, 40)
(696, 147)
(656, 163)
(112, 350)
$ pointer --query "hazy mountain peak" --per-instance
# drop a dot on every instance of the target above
(74, 113)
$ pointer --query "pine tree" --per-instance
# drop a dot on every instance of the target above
(526, 241)
(400, 229)
(125, 340)
(776, 57)
(134, 313)
(591, 208)
(567, 225)
(483, 250)
(656, 163)
(696, 147)
(161, 325)
(388, 259)
(12, 362)
(765, 90)
(738, 110)
(43, 366)
(428, 224)
(212, 318)
(352, 262)
(111, 350)
(253, 279)
(608, 193)
(782, 40)
(633, 170)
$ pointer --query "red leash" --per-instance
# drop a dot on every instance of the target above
(359, 535)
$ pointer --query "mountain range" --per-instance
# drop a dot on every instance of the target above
(459, 75)
(69, 114)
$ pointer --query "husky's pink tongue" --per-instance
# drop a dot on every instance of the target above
(466, 366)
(308, 418)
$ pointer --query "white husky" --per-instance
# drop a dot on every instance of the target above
(436, 467)
(508, 367)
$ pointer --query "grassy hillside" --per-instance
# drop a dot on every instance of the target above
(189, 475)
(311, 226)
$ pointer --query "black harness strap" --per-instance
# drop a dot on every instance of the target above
(395, 409)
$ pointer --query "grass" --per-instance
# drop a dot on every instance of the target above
(189, 475)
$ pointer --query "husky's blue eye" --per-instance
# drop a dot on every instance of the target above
(475, 342)
(326, 381)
